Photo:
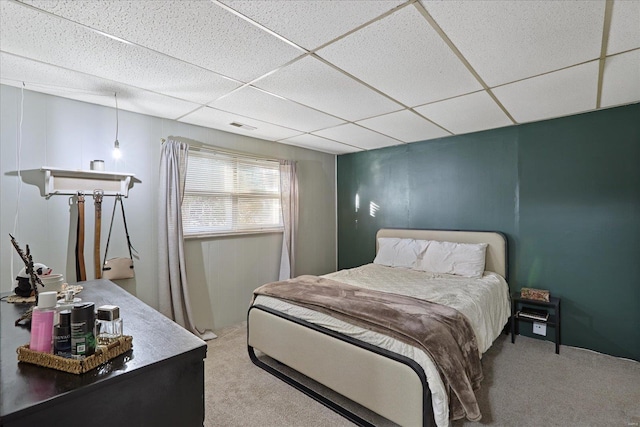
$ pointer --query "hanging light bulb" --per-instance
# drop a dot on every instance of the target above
(116, 145)
(116, 150)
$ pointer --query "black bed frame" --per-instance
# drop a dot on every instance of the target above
(427, 408)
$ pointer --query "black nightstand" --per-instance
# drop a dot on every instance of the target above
(553, 321)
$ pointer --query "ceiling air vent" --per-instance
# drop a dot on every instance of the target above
(243, 126)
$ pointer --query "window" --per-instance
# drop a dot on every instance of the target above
(226, 193)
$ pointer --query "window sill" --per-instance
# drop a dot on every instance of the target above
(231, 234)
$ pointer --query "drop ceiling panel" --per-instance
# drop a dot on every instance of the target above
(317, 143)
(169, 58)
(468, 113)
(257, 104)
(200, 32)
(311, 24)
(212, 118)
(569, 91)
(624, 33)
(59, 42)
(404, 125)
(509, 40)
(621, 79)
(403, 57)
(357, 136)
(82, 87)
(312, 82)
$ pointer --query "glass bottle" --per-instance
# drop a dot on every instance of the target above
(109, 324)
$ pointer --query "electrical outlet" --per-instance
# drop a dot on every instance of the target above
(540, 329)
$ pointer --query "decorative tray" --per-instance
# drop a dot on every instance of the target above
(102, 355)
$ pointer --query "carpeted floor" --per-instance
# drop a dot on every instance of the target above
(238, 393)
(526, 384)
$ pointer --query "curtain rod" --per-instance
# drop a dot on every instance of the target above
(206, 147)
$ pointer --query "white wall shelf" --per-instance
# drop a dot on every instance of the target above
(69, 182)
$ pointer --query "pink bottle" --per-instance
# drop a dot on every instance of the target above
(42, 322)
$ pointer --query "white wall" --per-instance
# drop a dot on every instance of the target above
(69, 134)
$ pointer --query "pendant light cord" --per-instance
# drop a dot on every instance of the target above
(116, 96)
(116, 144)
(19, 167)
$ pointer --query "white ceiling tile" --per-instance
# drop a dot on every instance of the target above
(357, 136)
(216, 119)
(509, 40)
(59, 42)
(311, 24)
(82, 87)
(167, 58)
(317, 143)
(468, 113)
(624, 33)
(197, 31)
(405, 126)
(257, 104)
(311, 82)
(403, 57)
(569, 91)
(621, 79)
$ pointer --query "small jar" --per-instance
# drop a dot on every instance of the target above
(109, 324)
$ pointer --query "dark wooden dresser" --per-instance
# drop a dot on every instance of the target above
(160, 382)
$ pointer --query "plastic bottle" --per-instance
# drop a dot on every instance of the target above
(62, 335)
(42, 323)
(65, 303)
(83, 323)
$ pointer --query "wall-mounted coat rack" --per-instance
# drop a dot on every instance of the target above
(70, 182)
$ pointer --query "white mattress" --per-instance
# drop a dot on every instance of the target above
(484, 301)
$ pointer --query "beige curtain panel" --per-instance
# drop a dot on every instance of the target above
(173, 292)
(289, 206)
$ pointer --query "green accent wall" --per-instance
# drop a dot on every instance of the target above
(566, 192)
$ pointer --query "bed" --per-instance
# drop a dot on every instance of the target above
(392, 378)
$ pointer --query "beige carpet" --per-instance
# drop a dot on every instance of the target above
(238, 393)
(526, 384)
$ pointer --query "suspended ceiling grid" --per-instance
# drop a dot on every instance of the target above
(333, 76)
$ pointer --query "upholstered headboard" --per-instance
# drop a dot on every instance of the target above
(496, 255)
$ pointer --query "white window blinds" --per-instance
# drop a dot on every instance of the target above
(226, 193)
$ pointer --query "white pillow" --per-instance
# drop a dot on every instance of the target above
(396, 252)
(462, 259)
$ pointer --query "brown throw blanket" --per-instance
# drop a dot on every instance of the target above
(442, 332)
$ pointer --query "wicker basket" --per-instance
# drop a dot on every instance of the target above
(535, 294)
(102, 355)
